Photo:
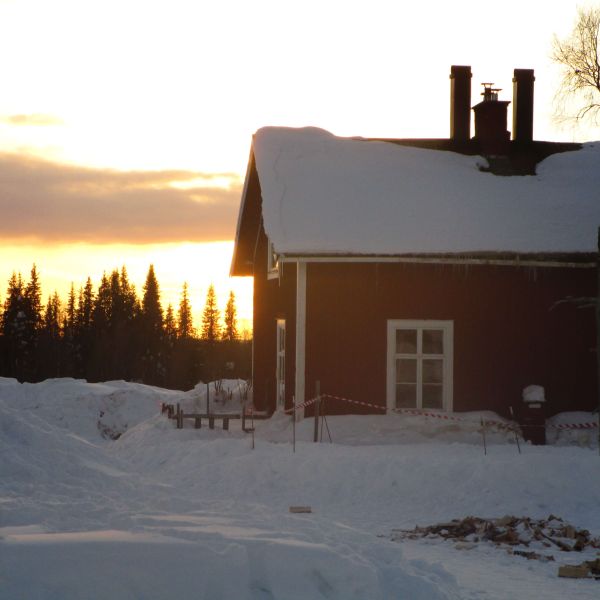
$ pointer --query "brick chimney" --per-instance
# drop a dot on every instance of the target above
(460, 103)
(522, 130)
(490, 120)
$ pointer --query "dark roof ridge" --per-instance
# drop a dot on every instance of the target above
(505, 158)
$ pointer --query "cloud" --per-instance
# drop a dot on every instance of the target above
(42, 201)
(36, 119)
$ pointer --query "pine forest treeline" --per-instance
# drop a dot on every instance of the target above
(113, 333)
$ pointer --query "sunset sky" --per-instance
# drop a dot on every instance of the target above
(125, 126)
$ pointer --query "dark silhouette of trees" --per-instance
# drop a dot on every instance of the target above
(109, 334)
(580, 61)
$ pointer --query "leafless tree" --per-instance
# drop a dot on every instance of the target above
(578, 96)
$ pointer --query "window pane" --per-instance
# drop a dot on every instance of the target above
(433, 341)
(406, 395)
(433, 370)
(406, 341)
(432, 396)
(406, 370)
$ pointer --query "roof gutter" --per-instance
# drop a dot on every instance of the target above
(587, 261)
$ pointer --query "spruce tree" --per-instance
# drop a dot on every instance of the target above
(52, 317)
(131, 303)
(69, 334)
(49, 355)
(170, 327)
(33, 297)
(101, 315)
(230, 332)
(83, 339)
(32, 326)
(71, 310)
(13, 325)
(210, 317)
(85, 306)
(151, 309)
(153, 359)
(185, 326)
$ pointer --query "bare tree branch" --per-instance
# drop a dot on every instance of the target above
(580, 62)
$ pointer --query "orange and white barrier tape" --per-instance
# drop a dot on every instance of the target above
(573, 425)
(289, 411)
(358, 402)
(444, 416)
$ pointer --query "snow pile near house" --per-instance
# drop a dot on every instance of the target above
(161, 512)
(324, 194)
(395, 428)
(575, 428)
(91, 410)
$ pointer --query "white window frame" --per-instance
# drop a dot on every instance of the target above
(448, 356)
(272, 261)
(280, 362)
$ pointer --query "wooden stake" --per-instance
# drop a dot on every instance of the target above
(483, 434)
(512, 415)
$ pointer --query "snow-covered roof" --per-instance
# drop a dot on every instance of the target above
(327, 195)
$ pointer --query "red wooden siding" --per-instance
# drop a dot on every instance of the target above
(273, 299)
(508, 330)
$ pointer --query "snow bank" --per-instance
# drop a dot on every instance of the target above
(192, 513)
(323, 194)
(94, 411)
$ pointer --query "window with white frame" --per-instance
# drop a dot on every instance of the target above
(280, 365)
(419, 369)
(272, 261)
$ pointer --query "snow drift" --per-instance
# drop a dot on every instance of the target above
(189, 513)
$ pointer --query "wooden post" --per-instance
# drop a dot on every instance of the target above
(512, 416)
(179, 417)
(198, 423)
(208, 398)
(266, 405)
(483, 434)
(317, 402)
(225, 424)
(211, 422)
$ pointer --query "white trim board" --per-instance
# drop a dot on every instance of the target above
(299, 387)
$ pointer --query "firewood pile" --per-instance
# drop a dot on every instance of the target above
(531, 535)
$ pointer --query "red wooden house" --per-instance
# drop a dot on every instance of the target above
(423, 273)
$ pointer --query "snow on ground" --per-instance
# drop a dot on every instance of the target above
(166, 513)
